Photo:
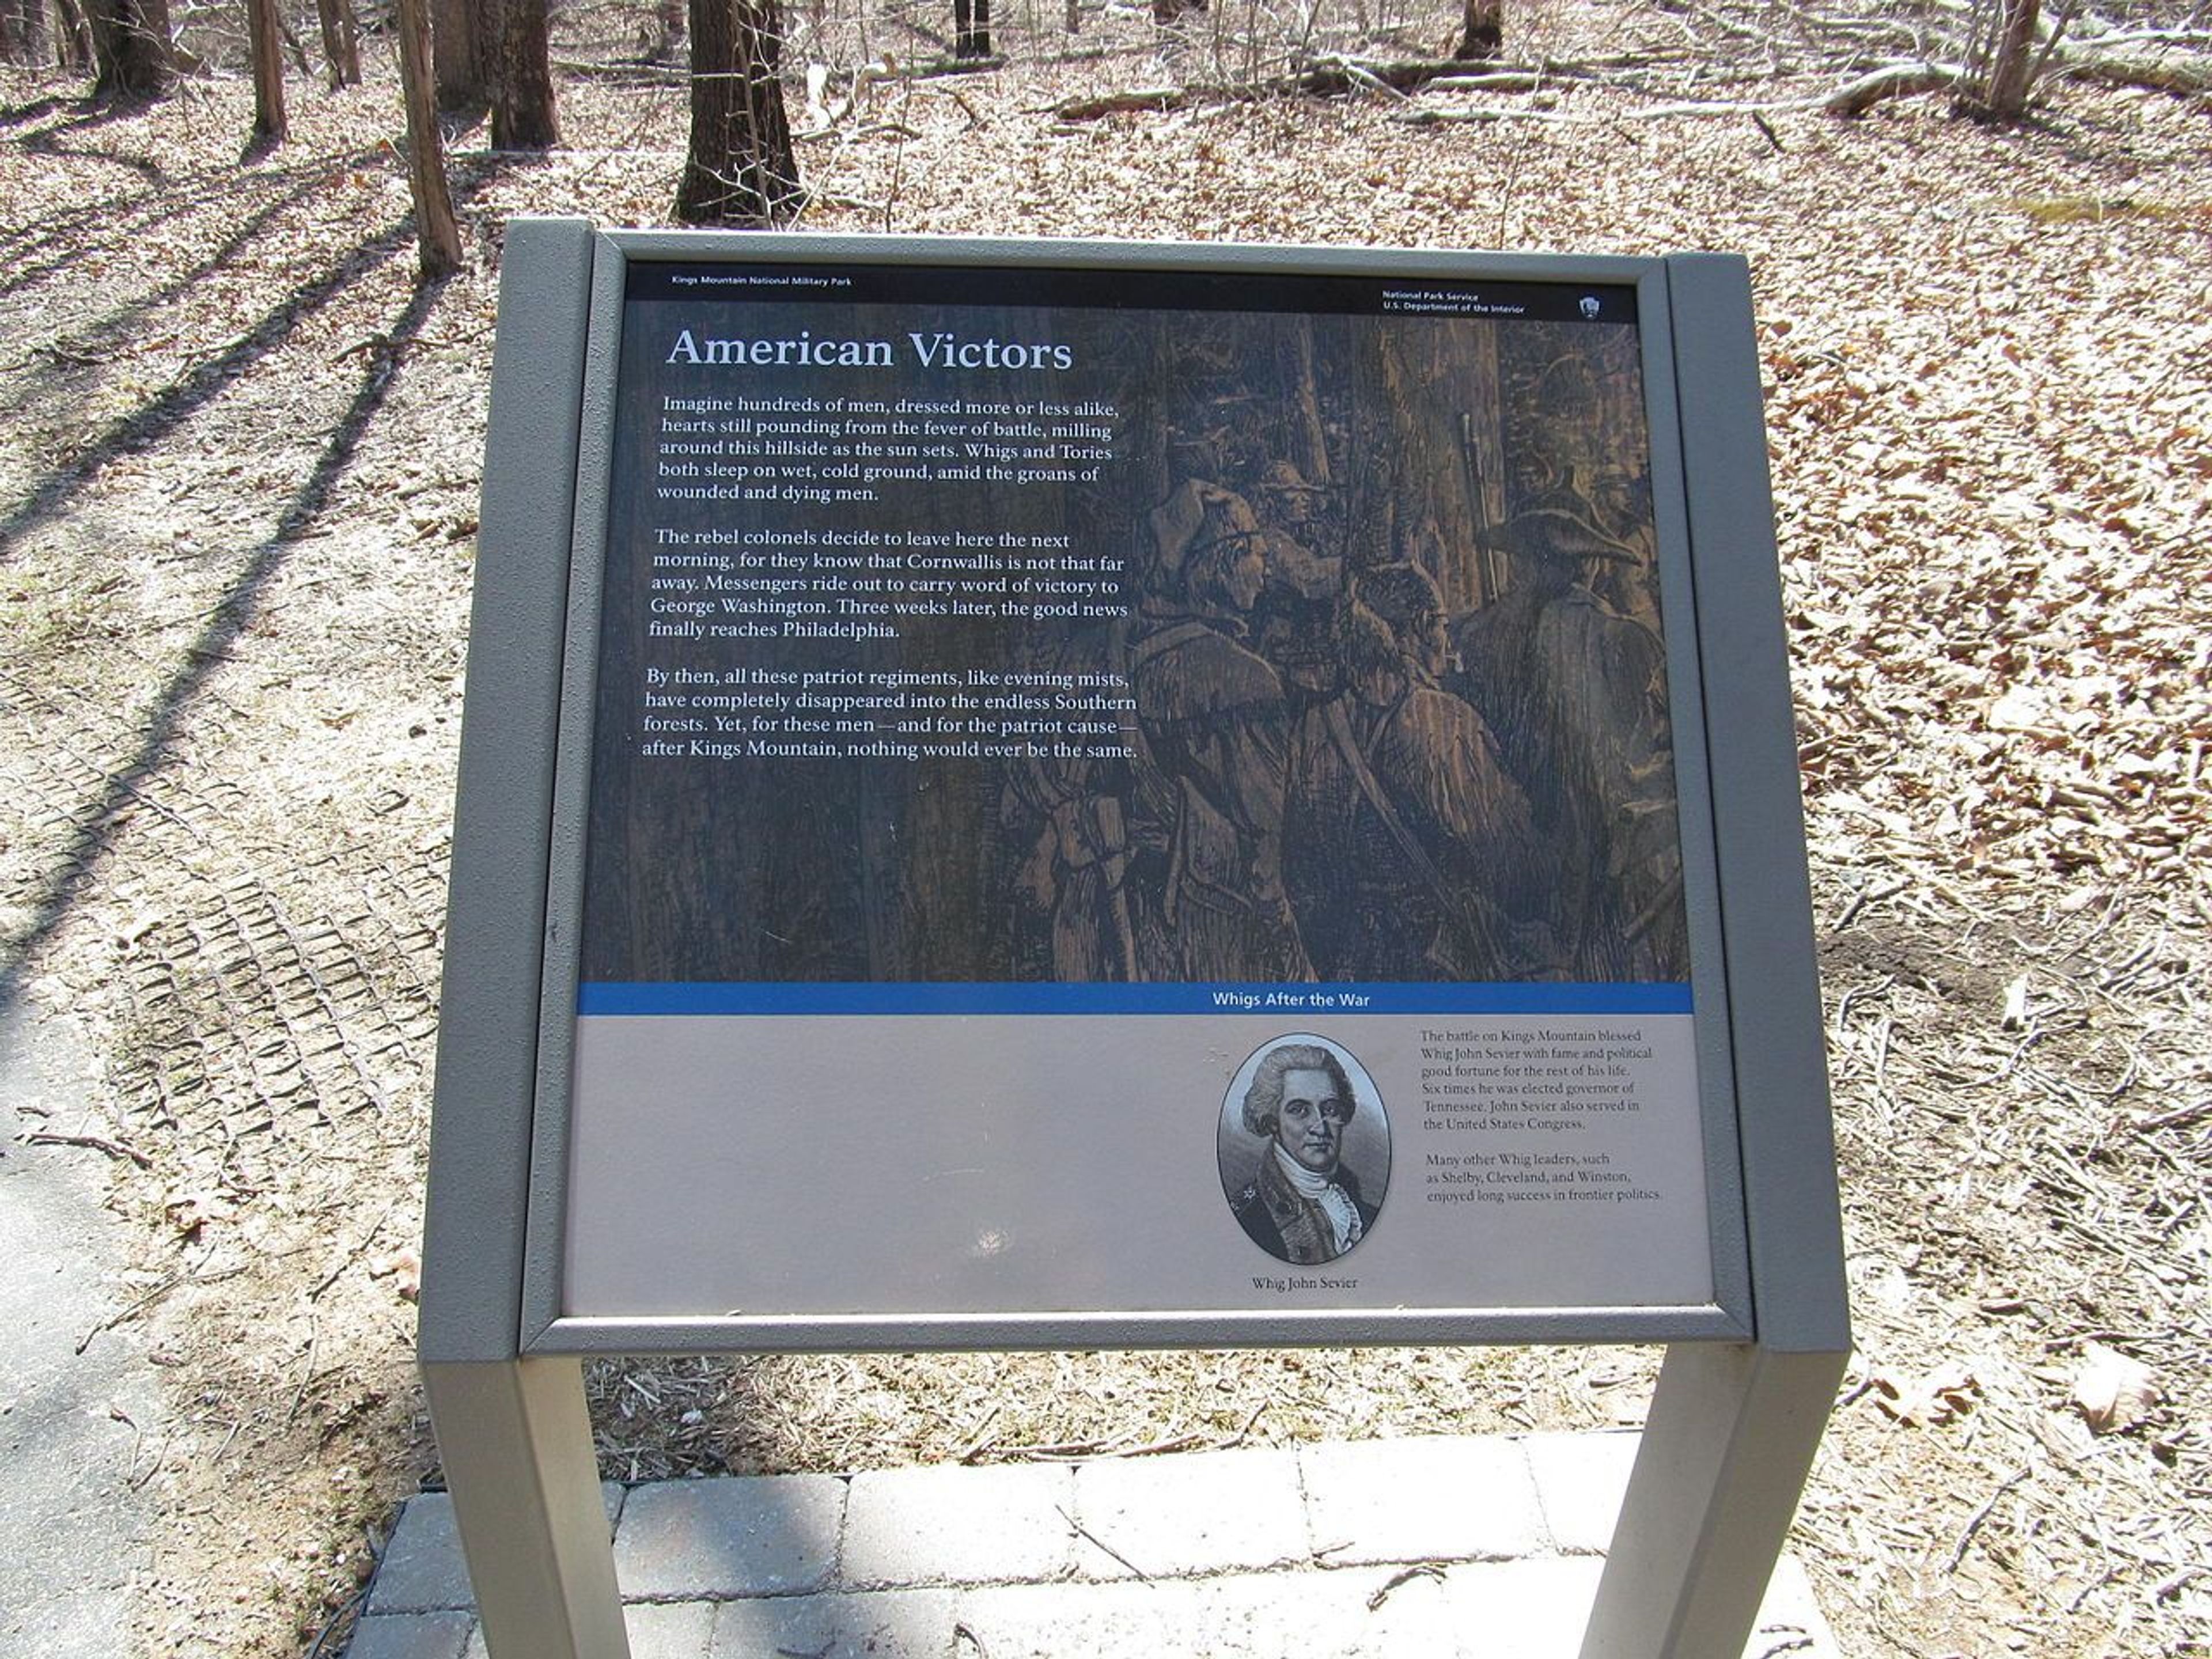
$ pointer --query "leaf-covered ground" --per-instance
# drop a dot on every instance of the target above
(237, 480)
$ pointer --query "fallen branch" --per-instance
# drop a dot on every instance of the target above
(1238, 1439)
(625, 72)
(1147, 100)
(978, 1440)
(1446, 118)
(1337, 76)
(1514, 81)
(1974, 1523)
(1432, 1569)
(94, 1143)
(1430, 118)
(936, 68)
(1359, 76)
(1400, 75)
(2185, 76)
(1332, 77)
(2182, 37)
(1076, 1526)
(1855, 98)
(151, 1297)
(2179, 1117)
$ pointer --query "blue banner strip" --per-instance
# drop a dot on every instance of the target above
(620, 996)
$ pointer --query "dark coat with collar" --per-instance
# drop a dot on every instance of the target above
(1288, 1226)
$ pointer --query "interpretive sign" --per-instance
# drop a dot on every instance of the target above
(1070, 795)
(1010, 693)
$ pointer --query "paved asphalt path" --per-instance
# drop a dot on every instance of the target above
(79, 1432)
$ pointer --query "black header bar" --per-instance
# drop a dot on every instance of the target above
(1122, 290)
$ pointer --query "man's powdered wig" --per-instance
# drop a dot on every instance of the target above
(1263, 1101)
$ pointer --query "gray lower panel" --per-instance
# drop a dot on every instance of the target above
(910, 1167)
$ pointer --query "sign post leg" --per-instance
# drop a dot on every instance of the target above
(516, 1443)
(1725, 1453)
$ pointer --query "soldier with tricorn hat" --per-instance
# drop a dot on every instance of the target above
(1412, 853)
(1576, 692)
(1206, 819)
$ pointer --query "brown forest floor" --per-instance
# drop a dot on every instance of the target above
(237, 490)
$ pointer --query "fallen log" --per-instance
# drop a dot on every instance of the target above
(1855, 98)
(1334, 76)
(2163, 74)
(1143, 100)
(2184, 75)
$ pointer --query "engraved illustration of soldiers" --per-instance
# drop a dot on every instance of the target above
(1328, 773)
(1293, 624)
(1206, 813)
(1074, 873)
(1575, 691)
(1414, 853)
(1167, 863)
(1069, 813)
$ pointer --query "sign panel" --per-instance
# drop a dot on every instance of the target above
(1161, 785)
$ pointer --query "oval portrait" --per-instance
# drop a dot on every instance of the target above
(1304, 1149)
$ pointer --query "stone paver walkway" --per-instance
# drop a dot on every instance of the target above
(1485, 1547)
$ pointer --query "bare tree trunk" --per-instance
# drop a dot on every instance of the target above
(289, 36)
(340, 41)
(466, 38)
(1997, 84)
(73, 49)
(438, 233)
(130, 47)
(741, 169)
(160, 35)
(23, 31)
(1481, 31)
(971, 28)
(523, 113)
(453, 52)
(264, 36)
(1075, 16)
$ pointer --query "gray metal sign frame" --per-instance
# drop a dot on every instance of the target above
(547, 1328)
(1746, 1383)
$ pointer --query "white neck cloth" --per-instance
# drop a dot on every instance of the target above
(1335, 1203)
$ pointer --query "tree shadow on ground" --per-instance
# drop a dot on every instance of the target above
(45, 142)
(94, 824)
(35, 253)
(206, 380)
(163, 413)
(16, 115)
(96, 821)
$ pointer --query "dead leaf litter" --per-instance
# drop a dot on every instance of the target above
(238, 479)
